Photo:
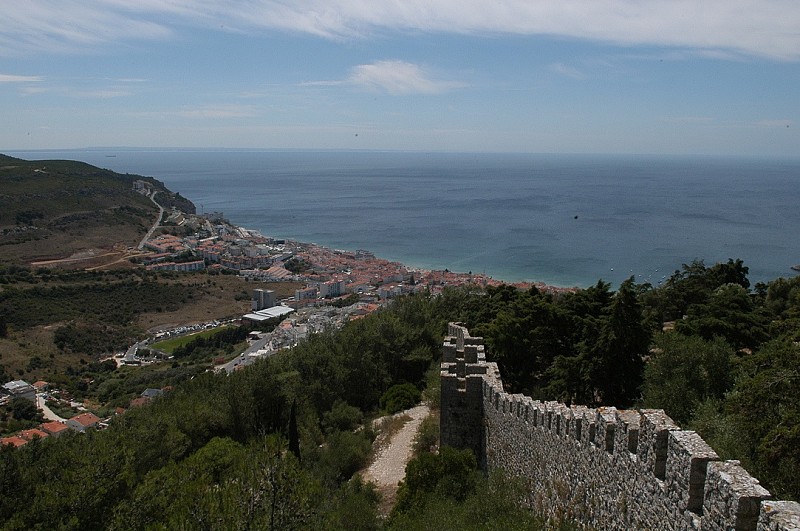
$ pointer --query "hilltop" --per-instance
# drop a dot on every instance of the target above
(53, 209)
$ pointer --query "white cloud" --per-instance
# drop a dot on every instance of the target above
(217, 112)
(31, 90)
(70, 25)
(100, 94)
(568, 71)
(9, 78)
(717, 28)
(774, 123)
(690, 119)
(398, 77)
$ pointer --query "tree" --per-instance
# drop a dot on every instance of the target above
(399, 397)
(729, 313)
(618, 358)
(24, 409)
(294, 436)
(525, 337)
(449, 474)
(766, 412)
(684, 371)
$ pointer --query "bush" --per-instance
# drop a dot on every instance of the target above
(450, 474)
(343, 456)
(342, 417)
(427, 438)
(24, 409)
(399, 397)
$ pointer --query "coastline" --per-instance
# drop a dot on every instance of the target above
(434, 211)
(362, 267)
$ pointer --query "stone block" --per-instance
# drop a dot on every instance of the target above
(606, 422)
(654, 428)
(687, 458)
(779, 516)
(733, 498)
(627, 430)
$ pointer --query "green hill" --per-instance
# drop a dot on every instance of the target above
(55, 208)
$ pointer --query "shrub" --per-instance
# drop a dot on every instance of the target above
(342, 417)
(427, 438)
(399, 397)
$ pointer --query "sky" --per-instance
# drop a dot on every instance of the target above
(716, 77)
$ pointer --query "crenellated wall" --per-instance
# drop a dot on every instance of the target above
(603, 467)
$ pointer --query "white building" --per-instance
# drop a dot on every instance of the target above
(20, 389)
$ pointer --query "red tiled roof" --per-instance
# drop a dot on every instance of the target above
(29, 435)
(86, 419)
(14, 441)
(54, 427)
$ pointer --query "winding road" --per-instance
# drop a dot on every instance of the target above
(46, 411)
(156, 224)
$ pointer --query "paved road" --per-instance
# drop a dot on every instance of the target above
(155, 225)
(130, 355)
(48, 413)
(244, 358)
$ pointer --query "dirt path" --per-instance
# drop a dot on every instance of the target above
(389, 467)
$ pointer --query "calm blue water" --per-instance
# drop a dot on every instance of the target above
(511, 216)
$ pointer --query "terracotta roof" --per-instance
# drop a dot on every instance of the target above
(40, 384)
(54, 427)
(86, 419)
(14, 441)
(29, 435)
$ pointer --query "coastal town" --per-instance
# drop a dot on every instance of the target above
(338, 286)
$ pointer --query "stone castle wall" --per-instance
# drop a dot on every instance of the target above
(605, 468)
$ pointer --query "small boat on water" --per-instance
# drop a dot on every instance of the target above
(795, 267)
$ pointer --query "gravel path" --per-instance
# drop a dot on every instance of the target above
(389, 467)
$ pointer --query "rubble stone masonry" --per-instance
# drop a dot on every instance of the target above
(603, 468)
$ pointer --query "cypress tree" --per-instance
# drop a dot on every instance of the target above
(294, 436)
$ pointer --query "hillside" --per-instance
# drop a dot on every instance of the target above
(53, 209)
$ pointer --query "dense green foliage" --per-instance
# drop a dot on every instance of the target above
(446, 491)
(684, 371)
(731, 367)
(399, 397)
(53, 194)
(213, 453)
(105, 302)
(584, 347)
(296, 265)
(717, 356)
(203, 346)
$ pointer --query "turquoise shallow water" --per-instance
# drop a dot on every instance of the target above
(561, 219)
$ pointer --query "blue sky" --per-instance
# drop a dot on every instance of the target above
(565, 76)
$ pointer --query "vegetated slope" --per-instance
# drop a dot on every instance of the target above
(50, 319)
(54, 208)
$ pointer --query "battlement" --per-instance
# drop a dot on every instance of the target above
(602, 467)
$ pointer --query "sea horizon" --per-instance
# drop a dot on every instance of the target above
(562, 219)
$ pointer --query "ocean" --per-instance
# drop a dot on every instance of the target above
(566, 220)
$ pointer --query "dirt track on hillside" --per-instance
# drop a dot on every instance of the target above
(389, 467)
